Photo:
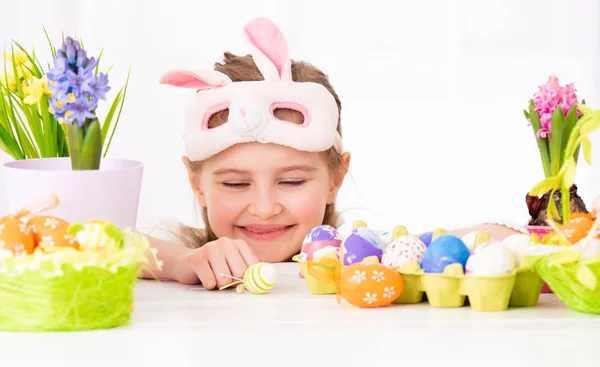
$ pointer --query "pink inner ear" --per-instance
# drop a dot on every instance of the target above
(184, 79)
(265, 36)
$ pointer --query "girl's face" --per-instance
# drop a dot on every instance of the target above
(268, 195)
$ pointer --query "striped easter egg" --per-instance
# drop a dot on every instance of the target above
(97, 235)
(260, 278)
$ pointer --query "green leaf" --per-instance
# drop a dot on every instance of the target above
(545, 186)
(542, 144)
(569, 124)
(552, 209)
(587, 150)
(568, 178)
(110, 114)
(557, 124)
(37, 72)
(119, 115)
(49, 131)
(526, 114)
(76, 135)
(592, 124)
(52, 48)
(98, 61)
(92, 146)
(9, 145)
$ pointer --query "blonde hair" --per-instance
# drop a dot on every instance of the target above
(243, 68)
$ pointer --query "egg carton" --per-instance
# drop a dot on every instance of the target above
(521, 288)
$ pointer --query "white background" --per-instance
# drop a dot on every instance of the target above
(432, 91)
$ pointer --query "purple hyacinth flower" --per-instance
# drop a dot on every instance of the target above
(81, 110)
(80, 82)
(100, 86)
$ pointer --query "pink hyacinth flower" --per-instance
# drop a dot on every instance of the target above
(550, 96)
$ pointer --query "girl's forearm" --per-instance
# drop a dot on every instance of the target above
(174, 263)
(497, 232)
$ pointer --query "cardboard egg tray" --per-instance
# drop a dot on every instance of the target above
(521, 288)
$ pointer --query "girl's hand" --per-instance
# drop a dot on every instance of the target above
(223, 256)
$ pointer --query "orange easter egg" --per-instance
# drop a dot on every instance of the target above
(15, 237)
(577, 227)
(370, 285)
(51, 232)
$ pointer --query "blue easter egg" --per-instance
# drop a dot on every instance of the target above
(360, 244)
(322, 233)
(443, 251)
(426, 238)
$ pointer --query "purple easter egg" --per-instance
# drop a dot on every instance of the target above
(443, 251)
(322, 233)
(361, 243)
(426, 238)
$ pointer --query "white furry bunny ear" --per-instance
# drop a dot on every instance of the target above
(269, 49)
(195, 79)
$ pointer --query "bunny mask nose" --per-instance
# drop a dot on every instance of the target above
(247, 121)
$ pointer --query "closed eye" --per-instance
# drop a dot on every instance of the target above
(236, 184)
(293, 182)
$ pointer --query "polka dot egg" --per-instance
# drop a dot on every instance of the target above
(402, 250)
(15, 238)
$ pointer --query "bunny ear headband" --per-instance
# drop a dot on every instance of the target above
(251, 104)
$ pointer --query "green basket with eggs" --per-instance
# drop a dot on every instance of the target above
(52, 287)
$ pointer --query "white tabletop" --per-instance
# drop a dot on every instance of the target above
(177, 325)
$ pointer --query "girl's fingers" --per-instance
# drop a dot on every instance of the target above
(220, 269)
(235, 261)
(204, 272)
(246, 253)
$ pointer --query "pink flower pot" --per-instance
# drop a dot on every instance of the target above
(541, 231)
(111, 193)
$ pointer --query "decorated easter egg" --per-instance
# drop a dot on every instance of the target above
(490, 259)
(402, 250)
(443, 251)
(51, 232)
(360, 244)
(322, 233)
(517, 244)
(15, 238)
(370, 285)
(426, 238)
(97, 235)
(385, 238)
(577, 227)
(320, 241)
(260, 278)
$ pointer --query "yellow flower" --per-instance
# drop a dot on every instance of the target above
(35, 91)
(9, 81)
(20, 57)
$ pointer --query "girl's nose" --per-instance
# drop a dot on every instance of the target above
(265, 205)
(243, 112)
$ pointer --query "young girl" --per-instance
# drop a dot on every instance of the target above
(265, 161)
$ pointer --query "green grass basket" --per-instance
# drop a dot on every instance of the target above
(70, 290)
(573, 281)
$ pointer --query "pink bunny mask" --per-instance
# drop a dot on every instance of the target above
(251, 104)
